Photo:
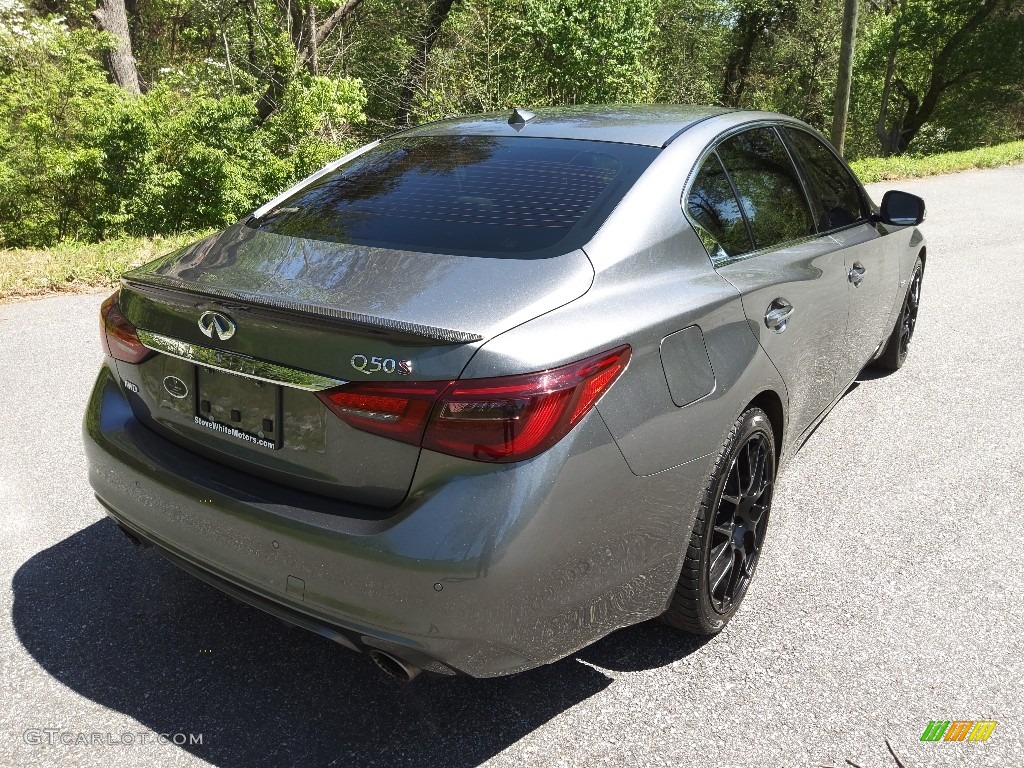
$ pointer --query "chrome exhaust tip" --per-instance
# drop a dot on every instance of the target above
(394, 667)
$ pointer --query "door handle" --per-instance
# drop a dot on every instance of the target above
(777, 316)
(857, 273)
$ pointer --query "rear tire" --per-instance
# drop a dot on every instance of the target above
(897, 347)
(728, 534)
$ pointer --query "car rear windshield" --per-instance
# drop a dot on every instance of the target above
(474, 195)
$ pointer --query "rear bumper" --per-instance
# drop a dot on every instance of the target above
(483, 569)
(341, 635)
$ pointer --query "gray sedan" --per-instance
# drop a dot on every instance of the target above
(478, 394)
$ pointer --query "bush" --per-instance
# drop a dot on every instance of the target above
(84, 161)
(53, 102)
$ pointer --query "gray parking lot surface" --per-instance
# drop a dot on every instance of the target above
(890, 593)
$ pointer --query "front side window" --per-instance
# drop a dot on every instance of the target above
(835, 194)
(770, 193)
(466, 195)
(712, 204)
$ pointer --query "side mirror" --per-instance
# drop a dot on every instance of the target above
(901, 209)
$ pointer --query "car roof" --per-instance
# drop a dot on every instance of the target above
(653, 125)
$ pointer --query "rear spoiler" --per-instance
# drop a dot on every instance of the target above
(158, 286)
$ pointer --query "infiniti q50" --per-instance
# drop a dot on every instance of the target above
(479, 393)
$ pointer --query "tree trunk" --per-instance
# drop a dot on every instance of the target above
(888, 139)
(312, 47)
(250, 49)
(271, 98)
(750, 27)
(439, 10)
(110, 16)
(921, 110)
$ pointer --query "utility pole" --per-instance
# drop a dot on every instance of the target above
(842, 108)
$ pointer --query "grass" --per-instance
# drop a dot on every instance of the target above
(79, 267)
(910, 167)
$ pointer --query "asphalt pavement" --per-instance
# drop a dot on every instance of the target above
(890, 593)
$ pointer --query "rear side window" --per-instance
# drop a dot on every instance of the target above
(472, 195)
(770, 193)
(713, 205)
(835, 194)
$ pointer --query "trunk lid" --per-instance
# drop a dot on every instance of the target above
(312, 304)
(313, 313)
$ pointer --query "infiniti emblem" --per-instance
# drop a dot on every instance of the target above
(175, 387)
(215, 324)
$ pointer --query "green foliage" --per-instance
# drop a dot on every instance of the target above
(496, 54)
(53, 101)
(796, 74)
(479, 66)
(690, 44)
(85, 161)
(314, 121)
(234, 110)
(167, 163)
(981, 71)
(589, 51)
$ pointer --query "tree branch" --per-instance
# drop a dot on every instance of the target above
(335, 19)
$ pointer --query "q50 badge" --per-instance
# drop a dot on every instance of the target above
(368, 365)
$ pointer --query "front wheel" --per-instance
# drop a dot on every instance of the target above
(725, 544)
(898, 345)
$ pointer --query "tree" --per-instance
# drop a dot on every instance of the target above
(788, 62)
(494, 54)
(691, 37)
(110, 16)
(756, 23)
(243, 97)
(306, 37)
(934, 50)
(589, 51)
(437, 14)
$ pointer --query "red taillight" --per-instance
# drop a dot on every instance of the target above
(517, 417)
(395, 410)
(504, 419)
(117, 334)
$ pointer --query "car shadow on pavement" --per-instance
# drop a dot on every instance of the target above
(867, 374)
(870, 374)
(127, 629)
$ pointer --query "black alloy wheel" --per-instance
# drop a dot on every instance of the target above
(908, 318)
(729, 530)
(740, 523)
(897, 347)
